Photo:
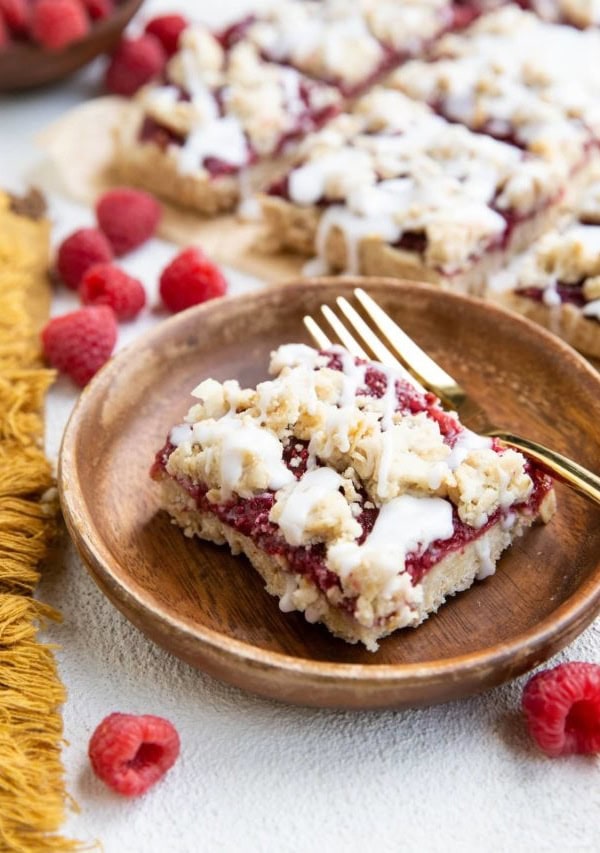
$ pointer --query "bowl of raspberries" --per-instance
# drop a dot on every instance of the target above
(42, 41)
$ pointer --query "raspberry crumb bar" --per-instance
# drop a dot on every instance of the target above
(217, 114)
(360, 501)
(557, 283)
(393, 189)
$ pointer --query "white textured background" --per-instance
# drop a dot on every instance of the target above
(255, 775)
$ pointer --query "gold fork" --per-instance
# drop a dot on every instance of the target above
(426, 373)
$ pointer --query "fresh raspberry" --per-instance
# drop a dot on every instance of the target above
(16, 15)
(99, 9)
(127, 217)
(79, 343)
(167, 29)
(79, 252)
(191, 278)
(562, 708)
(105, 284)
(4, 34)
(134, 63)
(57, 23)
(131, 753)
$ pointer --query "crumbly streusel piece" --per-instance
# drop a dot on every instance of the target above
(359, 500)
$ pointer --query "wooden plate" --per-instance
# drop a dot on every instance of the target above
(210, 608)
(24, 65)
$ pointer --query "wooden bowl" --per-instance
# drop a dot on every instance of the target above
(24, 65)
(211, 609)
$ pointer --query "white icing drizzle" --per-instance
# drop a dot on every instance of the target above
(487, 566)
(223, 139)
(300, 499)
(464, 444)
(293, 355)
(354, 376)
(592, 309)
(180, 434)
(405, 525)
(239, 441)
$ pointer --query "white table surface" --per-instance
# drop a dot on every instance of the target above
(255, 775)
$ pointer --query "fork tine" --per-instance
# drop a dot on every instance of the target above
(317, 333)
(348, 340)
(418, 362)
(384, 355)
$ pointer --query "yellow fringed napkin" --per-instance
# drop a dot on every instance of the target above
(32, 792)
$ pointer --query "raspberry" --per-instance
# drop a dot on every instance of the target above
(134, 63)
(79, 343)
(105, 284)
(562, 708)
(99, 9)
(17, 15)
(57, 23)
(167, 29)
(191, 278)
(79, 252)
(4, 34)
(127, 217)
(131, 753)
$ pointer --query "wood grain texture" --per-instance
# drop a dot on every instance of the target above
(210, 609)
(24, 65)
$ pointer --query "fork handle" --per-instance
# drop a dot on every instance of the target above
(561, 467)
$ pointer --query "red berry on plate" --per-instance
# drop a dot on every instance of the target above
(99, 9)
(57, 23)
(16, 15)
(127, 217)
(562, 708)
(167, 29)
(79, 343)
(105, 284)
(191, 278)
(134, 63)
(79, 252)
(131, 753)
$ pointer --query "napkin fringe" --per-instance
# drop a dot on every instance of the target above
(32, 789)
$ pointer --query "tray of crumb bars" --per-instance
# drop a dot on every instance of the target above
(436, 141)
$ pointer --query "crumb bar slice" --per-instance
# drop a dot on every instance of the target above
(216, 115)
(557, 283)
(393, 189)
(360, 501)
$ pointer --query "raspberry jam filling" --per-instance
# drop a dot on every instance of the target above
(569, 294)
(250, 517)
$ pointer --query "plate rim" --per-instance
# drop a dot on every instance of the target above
(562, 625)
